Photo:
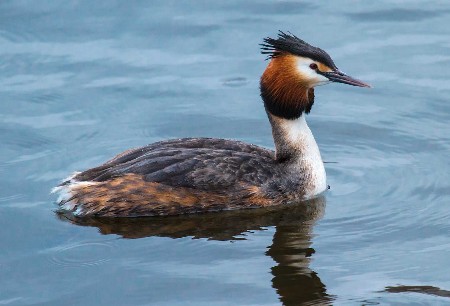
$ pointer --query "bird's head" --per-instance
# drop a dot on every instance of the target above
(295, 68)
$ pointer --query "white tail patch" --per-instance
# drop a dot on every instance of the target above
(69, 181)
(67, 191)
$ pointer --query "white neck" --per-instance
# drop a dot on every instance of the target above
(294, 138)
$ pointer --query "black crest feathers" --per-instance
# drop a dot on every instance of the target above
(289, 43)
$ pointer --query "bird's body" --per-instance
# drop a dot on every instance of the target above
(193, 175)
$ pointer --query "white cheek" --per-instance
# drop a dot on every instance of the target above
(311, 75)
(304, 70)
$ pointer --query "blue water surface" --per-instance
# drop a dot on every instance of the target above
(81, 81)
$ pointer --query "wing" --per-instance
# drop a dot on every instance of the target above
(200, 163)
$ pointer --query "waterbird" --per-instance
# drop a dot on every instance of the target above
(197, 175)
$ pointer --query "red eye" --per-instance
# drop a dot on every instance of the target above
(313, 66)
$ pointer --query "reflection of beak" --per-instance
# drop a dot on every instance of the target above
(340, 77)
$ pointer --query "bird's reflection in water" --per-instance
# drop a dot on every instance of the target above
(291, 248)
(430, 290)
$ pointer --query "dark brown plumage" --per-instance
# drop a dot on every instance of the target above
(183, 176)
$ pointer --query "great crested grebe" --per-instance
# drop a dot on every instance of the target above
(194, 175)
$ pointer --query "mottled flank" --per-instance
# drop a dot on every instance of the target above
(180, 177)
(132, 195)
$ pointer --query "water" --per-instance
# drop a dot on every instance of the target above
(82, 81)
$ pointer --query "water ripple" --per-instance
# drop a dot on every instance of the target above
(81, 254)
(235, 82)
(397, 15)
